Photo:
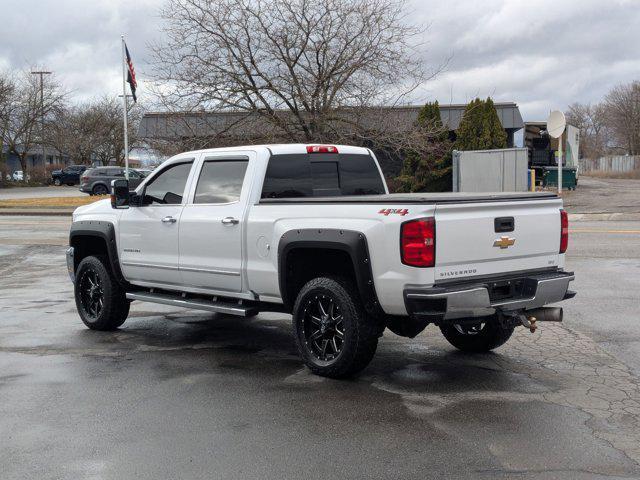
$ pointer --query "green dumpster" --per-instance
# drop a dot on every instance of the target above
(569, 177)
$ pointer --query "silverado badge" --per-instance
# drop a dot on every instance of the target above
(504, 242)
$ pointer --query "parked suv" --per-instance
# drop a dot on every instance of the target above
(68, 175)
(97, 181)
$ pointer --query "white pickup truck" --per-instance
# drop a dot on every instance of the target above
(311, 230)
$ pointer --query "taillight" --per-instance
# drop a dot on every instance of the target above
(418, 242)
(321, 149)
(564, 231)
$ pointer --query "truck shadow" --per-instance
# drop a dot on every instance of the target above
(264, 345)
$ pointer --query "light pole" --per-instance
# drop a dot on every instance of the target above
(42, 73)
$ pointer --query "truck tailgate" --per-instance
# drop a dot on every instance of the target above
(474, 239)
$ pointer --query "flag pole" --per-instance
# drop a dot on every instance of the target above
(124, 112)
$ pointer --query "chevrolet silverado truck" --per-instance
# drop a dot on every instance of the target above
(311, 230)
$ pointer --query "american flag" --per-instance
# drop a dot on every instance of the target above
(131, 74)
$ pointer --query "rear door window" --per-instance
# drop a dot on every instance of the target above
(220, 181)
(319, 175)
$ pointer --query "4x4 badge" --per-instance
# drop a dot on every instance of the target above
(397, 211)
(504, 242)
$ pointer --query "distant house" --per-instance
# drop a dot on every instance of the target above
(34, 158)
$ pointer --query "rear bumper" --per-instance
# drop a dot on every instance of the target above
(485, 297)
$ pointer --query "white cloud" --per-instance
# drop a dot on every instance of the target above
(543, 54)
(79, 40)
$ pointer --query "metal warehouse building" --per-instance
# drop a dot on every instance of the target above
(230, 127)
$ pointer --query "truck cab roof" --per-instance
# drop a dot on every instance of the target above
(281, 149)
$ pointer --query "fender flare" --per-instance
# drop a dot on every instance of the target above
(106, 232)
(352, 242)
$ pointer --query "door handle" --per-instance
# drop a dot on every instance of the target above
(169, 219)
(230, 221)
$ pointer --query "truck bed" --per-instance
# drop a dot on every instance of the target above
(416, 198)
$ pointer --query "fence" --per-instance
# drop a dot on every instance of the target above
(490, 170)
(619, 164)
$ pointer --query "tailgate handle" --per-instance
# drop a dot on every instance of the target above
(504, 224)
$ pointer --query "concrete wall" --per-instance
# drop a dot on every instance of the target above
(490, 170)
(620, 163)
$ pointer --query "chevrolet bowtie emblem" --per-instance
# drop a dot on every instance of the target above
(504, 242)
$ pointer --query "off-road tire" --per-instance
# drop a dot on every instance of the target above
(493, 335)
(360, 332)
(115, 306)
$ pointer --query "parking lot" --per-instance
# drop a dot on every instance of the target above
(185, 394)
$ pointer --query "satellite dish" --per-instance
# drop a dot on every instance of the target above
(556, 124)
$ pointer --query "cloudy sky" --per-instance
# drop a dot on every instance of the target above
(541, 54)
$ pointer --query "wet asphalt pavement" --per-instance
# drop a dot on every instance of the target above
(185, 394)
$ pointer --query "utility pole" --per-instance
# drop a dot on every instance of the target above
(41, 73)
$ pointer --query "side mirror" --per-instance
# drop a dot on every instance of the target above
(120, 194)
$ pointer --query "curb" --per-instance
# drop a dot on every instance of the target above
(604, 217)
(63, 212)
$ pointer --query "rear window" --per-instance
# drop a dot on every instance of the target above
(321, 175)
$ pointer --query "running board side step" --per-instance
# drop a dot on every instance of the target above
(196, 304)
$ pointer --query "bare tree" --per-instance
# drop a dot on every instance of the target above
(110, 145)
(23, 114)
(94, 131)
(74, 132)
(595, 133)
(301, 70)
(623, 115)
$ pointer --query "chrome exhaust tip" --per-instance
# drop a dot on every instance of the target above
(545, 314)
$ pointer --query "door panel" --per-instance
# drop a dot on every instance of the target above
(211, 227)
(149, 245)
(149, 234)
(210, 251)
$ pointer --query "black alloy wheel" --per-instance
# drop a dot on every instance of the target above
(323, 327)
(91, 294)
(334, 335)
(100, 299)
(476, 337)
(473, 329)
